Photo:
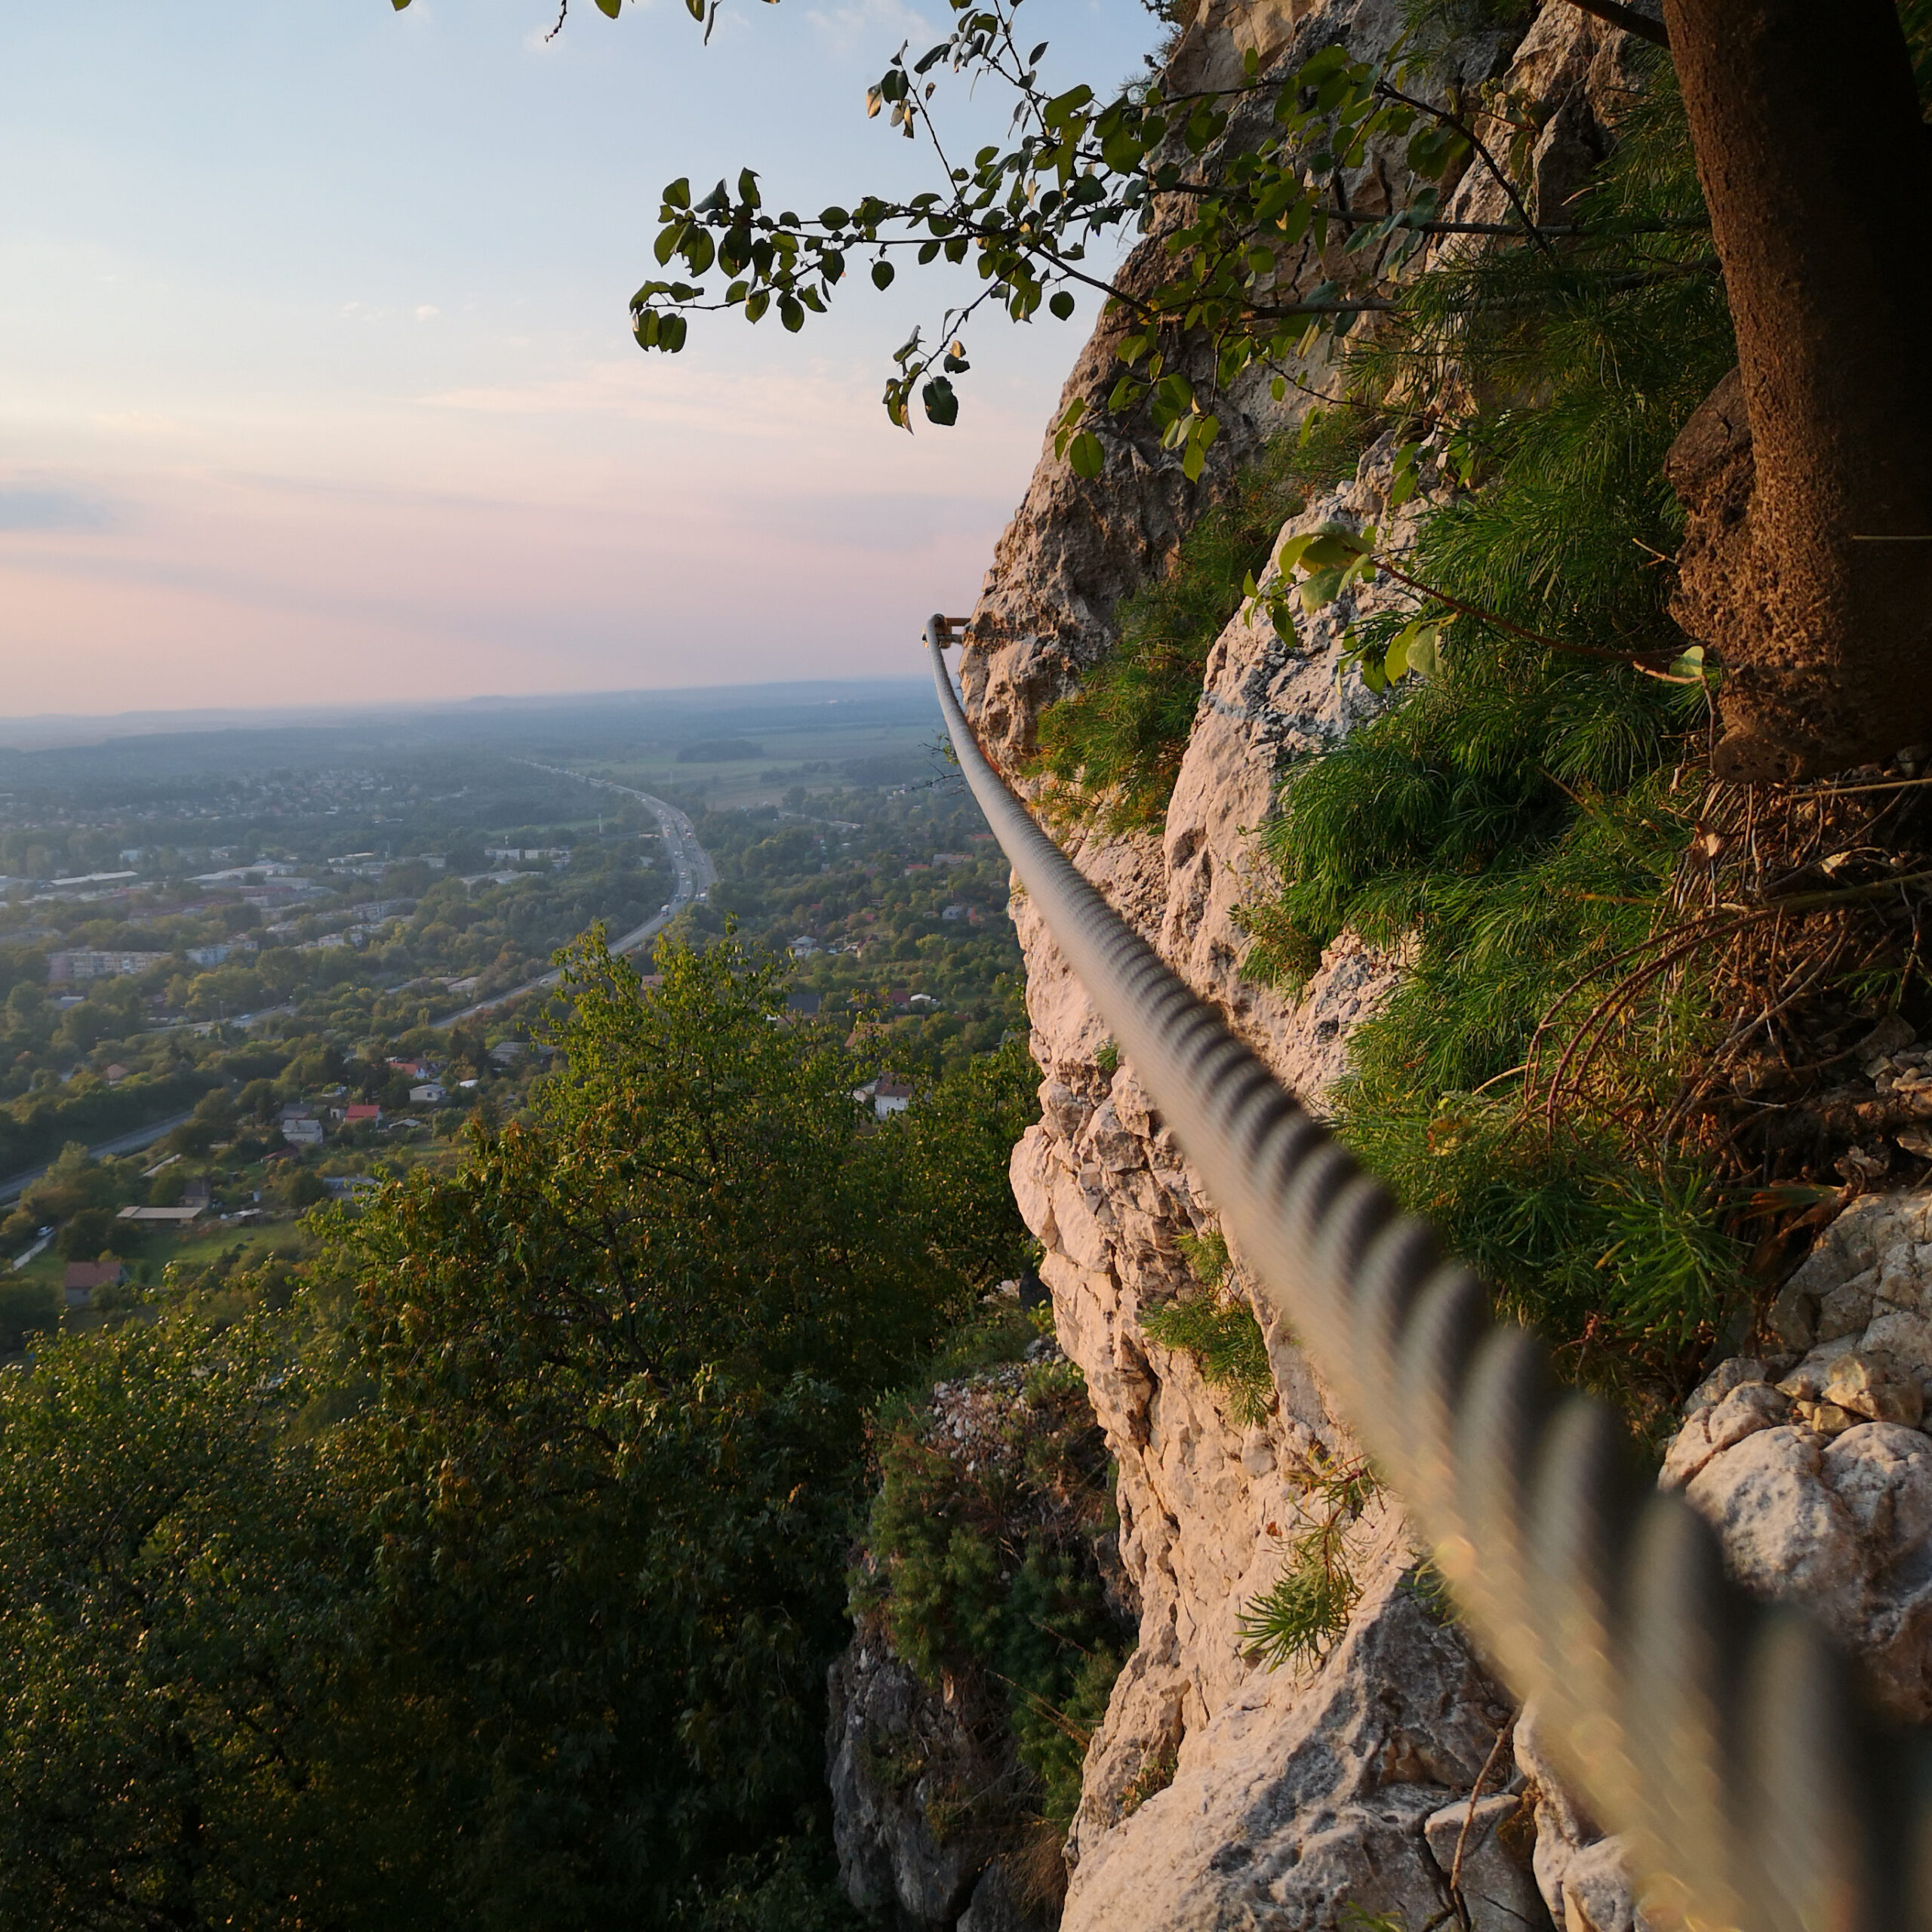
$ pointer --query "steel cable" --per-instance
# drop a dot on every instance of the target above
(1727, 1737)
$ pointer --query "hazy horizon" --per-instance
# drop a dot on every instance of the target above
(60, 730)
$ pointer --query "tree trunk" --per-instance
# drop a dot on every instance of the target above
(1816, 165)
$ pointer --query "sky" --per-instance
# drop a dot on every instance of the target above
(317, 385)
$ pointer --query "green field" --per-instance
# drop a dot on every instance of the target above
(817, 755)
(202, 1243)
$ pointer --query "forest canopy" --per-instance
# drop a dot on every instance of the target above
(485, 1572)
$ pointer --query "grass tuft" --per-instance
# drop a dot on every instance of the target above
(1305, 1613)
(1215, 1325)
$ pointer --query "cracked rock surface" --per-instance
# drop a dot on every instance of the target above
(1813, 1469)
(1231, 1794)
(1217, 1792)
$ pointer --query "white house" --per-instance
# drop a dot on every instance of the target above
(887, 1095)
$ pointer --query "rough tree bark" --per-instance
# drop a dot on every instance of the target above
(1818, 169)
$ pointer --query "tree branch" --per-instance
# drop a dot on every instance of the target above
(1475, 141)
(1627, 18)
(1478, 615)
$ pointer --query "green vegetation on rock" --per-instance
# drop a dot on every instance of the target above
(1215, 1325)
(1111, 750)
(981, 1567)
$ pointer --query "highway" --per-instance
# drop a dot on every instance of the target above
(14, 1186)
(692, 875)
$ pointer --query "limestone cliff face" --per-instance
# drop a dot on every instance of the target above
(1218, 1793)
(1294, 1795)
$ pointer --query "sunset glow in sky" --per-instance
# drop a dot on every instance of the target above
(316, 384)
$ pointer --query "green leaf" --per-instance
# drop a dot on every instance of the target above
(1319, 66)
(942, 405)
(608, 8)
(1086, 456)
(1320, 589)
(834, 216)
(678, 194)
(1062, 304)
(1326, 549)
(1424, 653)
(1404, 480)
(881, 274)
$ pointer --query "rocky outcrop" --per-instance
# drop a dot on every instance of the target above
(1351, 1788)
(890, 1738)
(1293, 1794)
(1816, 1471)
(1075, 548)
(1219, 1792)
(1813, 1466)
